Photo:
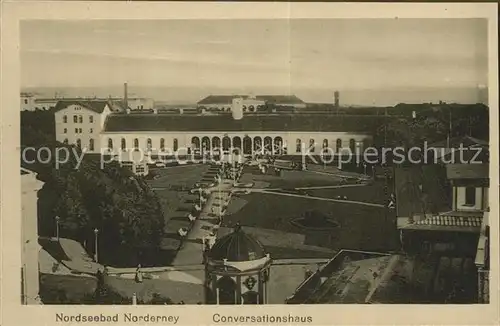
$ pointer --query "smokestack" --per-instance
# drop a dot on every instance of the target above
(336, 96)
(125, 95)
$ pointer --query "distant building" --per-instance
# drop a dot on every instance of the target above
(81, 122)
(28, 102)
(30, 247)
(250, 103)
(457, 234)
(441, 215)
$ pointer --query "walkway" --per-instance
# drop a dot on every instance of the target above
(191, 251)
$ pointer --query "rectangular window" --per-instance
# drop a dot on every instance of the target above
(75, 119)
(470, 196)
(80, 130)
(76, 130)
(65, 130)
(25, 101)
(91, 130)
(91, 119)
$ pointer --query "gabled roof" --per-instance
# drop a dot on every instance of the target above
(274, 99)
(93, 105)
(225, 123)
(465, 141)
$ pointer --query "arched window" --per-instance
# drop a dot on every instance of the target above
(75, 119)
(227, 290)
(311, 145)
(65, 119)
(91, 144)
(65, 141)
(298, 146)
(352, 145)
(136, 144)
(110, 143)
(124, 144)
(149, 144)
(338, 145)
(80, 119)
(176, 145)
(162, 144)
(79, 143)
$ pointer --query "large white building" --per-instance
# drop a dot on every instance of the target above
(30, 247)
(81, 122)
(103, 126)
(251, 133)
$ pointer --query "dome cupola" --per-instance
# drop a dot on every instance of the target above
(237, 247)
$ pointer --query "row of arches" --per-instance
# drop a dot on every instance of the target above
(247, 145)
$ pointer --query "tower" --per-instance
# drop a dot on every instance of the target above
(237, 270)
(237, 108)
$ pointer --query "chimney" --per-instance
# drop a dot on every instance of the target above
(336, 96)
(125, 95)
(237, 108)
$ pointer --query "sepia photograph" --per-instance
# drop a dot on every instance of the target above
(253, 161)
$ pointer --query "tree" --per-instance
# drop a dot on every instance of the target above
(122, 206)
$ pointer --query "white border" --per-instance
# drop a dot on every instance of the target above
(12, 313)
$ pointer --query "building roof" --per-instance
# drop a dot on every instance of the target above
(272, 99)
(357, 277)
(467, 171)
(364, 277)
(93, 105)
(225, 122)
(237, 247)
(450, 221)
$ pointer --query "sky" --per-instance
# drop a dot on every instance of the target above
(367, 60)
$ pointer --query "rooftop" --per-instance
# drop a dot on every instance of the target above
(368, 277)
(96, 105)
(93, 105)
(271, 99)
(467, 171)
(237, 246)
(225, 122)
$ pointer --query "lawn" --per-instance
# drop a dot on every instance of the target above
(361, 227)
(373, 193)
(288, 179)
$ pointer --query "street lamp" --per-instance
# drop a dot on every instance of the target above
(96, 232)
(57, 227)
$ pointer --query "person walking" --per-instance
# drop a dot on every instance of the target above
(138, 274)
